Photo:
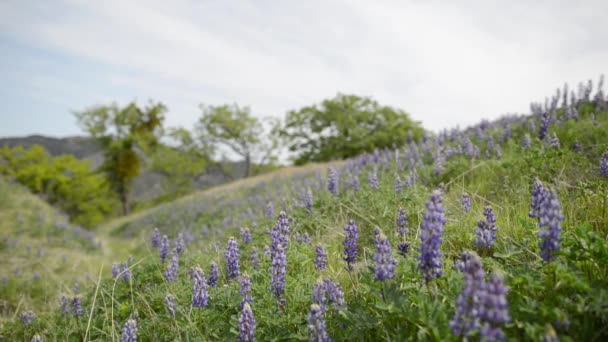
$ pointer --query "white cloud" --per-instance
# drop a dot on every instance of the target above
(447, 63)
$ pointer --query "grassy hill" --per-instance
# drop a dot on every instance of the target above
(501, 266)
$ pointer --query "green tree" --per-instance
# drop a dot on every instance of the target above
(126, 134)
(237, 129)
(343, 127)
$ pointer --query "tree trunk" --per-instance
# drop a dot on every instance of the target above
(247, 165)
(124, 200)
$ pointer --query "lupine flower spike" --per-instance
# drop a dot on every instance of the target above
(246, 325)
(430, 262)
(129, 331)
(350, 243)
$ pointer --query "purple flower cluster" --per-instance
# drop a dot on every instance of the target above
(173, 267)
(383, 258)
(372, 179)
(320, 258)
(164, 248)
(550, 217)
(495, 310)
(278, 255)
(332, 181)
(76, 307)
(269, 210)
(254, 259)
(430, 238)
(171, 305)
(398, 184)
(486, 229)
(545, 121)
(302, 238)
(231, 254)
(604, 164)
(350, 243)
(129, 331)
(554, 141)
(156, 238)
(403, 248)
(326, 292)
(465, 200)
(200, 295)
(180, 244)
(125, 272)
(538, 194)
(246, 325)
(402, 222)
(245, 290)
(64, 304)
(246, 235)
(27, 317)
(316, 325)
(214, 275)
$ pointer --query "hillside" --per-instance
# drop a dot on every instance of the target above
(496, 231)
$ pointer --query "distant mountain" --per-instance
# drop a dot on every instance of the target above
(148, 185)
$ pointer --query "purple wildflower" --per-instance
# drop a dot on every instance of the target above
(170, 304)
(398, 184)
(494, 309)
(180, 243)
(383, 258)
(372, 179)
(245, 290)
(126, 272)
(64, 305)
(246, 325)
(332, 181)
(246, 235)
(402, 222)
(156, 238)
(200, 295)
(326, 292)
(115, 269)
(486, 229)
(430, 238)
(27, 317)
(214, 275)
(465, 200)
(544, 126)
(354, 181)
(316, 325)
(538, 194)
(278, 255)
(129, 331)
(269, 210)
(350, 243)
(554, 141)
(308, 201)
(604, 164)
(403, 248)
(76, 307)
(320, 257)
(232, 259)
(164, 248)
(254, 258)
(469, 302)
(172, 268)
(550, 217)
(303, 238)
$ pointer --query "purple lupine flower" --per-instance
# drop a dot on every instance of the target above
(254, 258)
(27, 317)
(550, 217)
(245, 290)
(200, 295)
(129, 331)
(180, 244)
(494, 311)
(269, 210)
(372, 179)
(332, 181)
(319, 294)
(469, 302)
(214, 275)
(76, 307)
(173, 267)
(64, 305)
(164, 248)
(465, 200)
(246, 325)
(383, 258)
(604, 164)
(303, 238)
(316, 325)
(538, 194)
(554, 141)
(350, 243)
(320, 258)
(326, 292)
(402, 222)
(403, 248)
(430, 238)
(126, 272)
(526, 142)
(232, 259)
(115, 270)
(156, 238)
(398, 184)
(171, 305)
(545, 121)
(246, 235)
(354, 181)
(36, 338)
(486, 229)
(278, 255)
(308, 201)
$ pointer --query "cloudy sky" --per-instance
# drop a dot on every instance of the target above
(447, 63)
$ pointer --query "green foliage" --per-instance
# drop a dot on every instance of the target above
(64, 181)
(343, 127)
(242, 133)
(124, 133)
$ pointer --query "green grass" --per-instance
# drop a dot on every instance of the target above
(568, 296)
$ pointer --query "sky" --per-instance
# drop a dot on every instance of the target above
(447, 63)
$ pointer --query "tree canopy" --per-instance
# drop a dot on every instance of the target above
(343, 127)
